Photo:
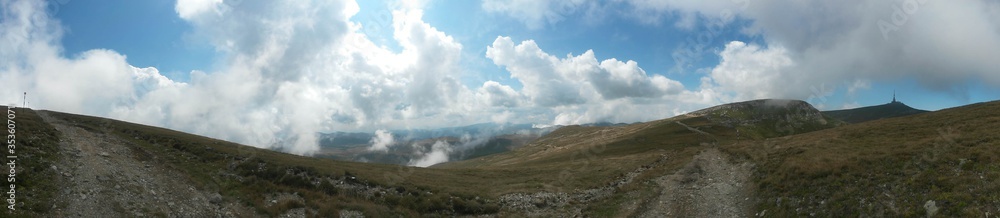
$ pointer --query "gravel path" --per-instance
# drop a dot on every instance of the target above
(105, 176)
(708, 186)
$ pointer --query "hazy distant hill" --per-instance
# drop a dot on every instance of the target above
(863, 114)
(350, 139)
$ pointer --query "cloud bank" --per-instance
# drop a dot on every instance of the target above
(290, 71)
(815, 46)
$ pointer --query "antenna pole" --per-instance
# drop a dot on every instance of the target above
(24, 100)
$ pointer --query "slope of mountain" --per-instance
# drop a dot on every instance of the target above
(864, 114)
(742, 120)
(105, 168)
(944, 162)
(933, 163)
(760, 158)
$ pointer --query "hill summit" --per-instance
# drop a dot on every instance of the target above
(768, 118)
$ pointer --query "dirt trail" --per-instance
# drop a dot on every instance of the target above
(694, 129)
(708, 186)
(105, 176)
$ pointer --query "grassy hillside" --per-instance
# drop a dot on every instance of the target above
(36, 147)
(662, 147)
(889, 167)
(797, 162)
(246, 174)
(945, 162)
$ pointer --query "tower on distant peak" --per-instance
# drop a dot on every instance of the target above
(894, 96)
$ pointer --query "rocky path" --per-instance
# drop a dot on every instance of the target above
(105, 176)
(708, 186)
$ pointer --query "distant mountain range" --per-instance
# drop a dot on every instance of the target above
(755, 119)
(417, 146)
(864, 114)
(352, 139)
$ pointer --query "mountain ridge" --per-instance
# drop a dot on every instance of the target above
(875, 112)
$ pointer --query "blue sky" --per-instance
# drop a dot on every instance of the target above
(152, 35)
(320, 66)
(148, 32)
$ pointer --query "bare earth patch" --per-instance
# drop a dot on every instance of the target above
(103, 177)
(708, 186)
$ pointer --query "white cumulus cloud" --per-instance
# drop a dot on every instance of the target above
(581, 89)
(551, 81)
(496, 94)
(834, 44)
(751, 72)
